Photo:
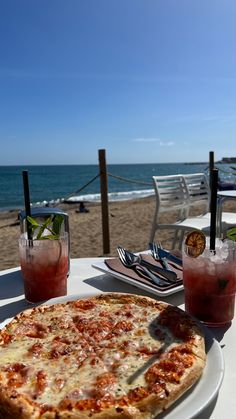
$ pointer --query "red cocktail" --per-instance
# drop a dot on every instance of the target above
(210, 284)
(44, 266)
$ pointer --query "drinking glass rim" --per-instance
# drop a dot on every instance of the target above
(22, 239)
(207, 253)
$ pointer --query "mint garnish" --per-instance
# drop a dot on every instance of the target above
(51, 224)
(231, 234)
(222, 283)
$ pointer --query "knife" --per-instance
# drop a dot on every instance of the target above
(170, 275)
(164, 253)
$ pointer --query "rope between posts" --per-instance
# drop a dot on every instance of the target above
(83, 187)
(130, 180)
(123, 180)
(108, 174)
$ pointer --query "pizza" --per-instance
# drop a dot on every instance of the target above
(107, 356)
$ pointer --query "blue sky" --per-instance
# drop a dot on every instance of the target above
(150, 81)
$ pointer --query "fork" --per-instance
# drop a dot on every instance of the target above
(156, 255)
(129, 262)
(169, 275)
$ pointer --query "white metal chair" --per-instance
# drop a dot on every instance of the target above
(198, 191)
(174, 193)
(182, 194)
(200, 194)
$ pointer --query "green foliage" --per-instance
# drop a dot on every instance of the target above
(51, 224)
(231, 234)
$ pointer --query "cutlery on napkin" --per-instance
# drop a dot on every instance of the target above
(116, 265)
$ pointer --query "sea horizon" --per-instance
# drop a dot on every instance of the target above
(53, 184)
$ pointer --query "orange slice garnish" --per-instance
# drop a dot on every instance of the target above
(196, 242)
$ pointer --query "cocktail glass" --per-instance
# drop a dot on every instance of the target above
(44, 266)
(210, 283)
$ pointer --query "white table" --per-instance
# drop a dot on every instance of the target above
(224, 195)
(85, 279)
(226, 218)
(227, 194)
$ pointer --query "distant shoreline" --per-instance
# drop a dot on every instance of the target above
(198, 163)
(112, 197)
(53, 184)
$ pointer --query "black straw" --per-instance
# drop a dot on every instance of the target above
(211, 165)
(27, 202)
(213, 209)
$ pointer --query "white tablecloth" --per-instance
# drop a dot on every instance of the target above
(84, 279)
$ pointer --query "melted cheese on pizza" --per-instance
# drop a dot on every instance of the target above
(79, 353)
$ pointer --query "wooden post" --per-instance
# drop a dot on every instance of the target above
(104, 201)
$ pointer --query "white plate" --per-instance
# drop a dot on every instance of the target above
(197, 398)
(206, 389)
(101, 266)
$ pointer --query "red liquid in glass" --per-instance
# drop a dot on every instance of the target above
(44, 267)
(209, 290)
(43, 283)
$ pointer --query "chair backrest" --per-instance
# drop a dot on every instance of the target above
(171, 193)
(198, 190)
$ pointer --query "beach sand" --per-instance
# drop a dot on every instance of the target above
(129, 225)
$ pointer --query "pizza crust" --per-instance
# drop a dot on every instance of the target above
(14, 405)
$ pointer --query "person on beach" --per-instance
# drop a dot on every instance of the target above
(82, 208)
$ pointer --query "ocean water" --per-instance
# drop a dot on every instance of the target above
(53, 184)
